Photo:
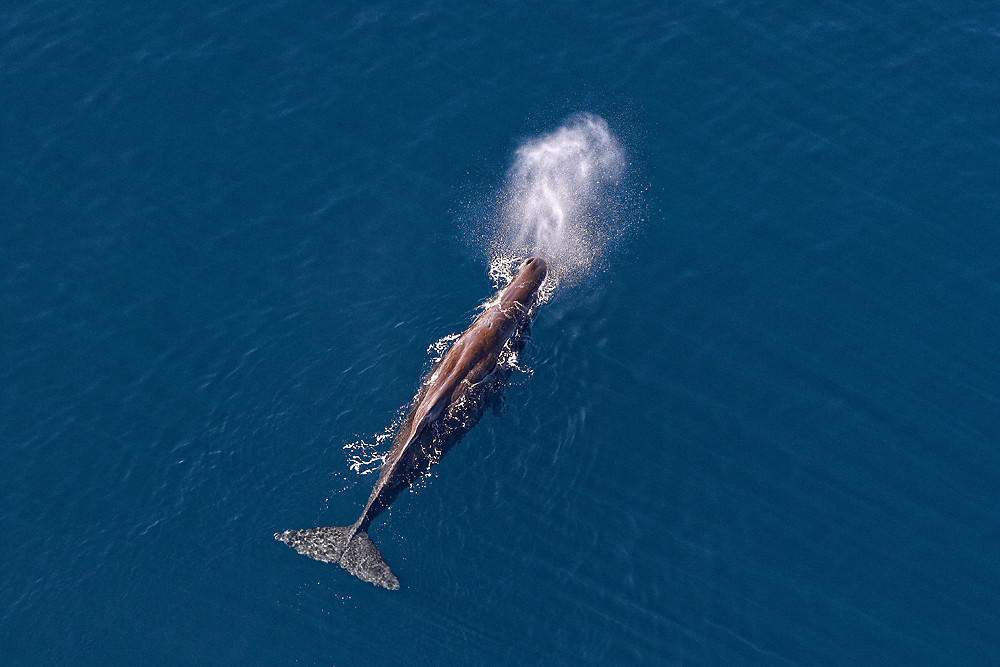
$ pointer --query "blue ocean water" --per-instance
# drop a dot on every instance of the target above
(764, 433)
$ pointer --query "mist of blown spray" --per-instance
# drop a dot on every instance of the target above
(562, 200)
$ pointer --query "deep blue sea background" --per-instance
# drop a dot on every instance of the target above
(767, 433)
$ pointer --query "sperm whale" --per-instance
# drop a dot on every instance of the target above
(449, 403)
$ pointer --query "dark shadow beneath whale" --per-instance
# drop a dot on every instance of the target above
(457, 391)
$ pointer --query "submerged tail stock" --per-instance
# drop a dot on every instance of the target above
(349, 546)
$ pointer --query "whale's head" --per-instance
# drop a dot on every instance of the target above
(523, 288)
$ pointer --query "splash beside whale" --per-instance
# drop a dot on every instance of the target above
(449, 403)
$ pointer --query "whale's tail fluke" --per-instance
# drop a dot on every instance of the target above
(350, 546)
